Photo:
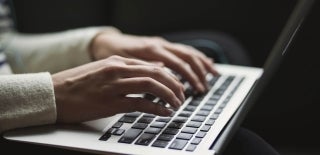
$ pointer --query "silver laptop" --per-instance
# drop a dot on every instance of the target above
(202, 125)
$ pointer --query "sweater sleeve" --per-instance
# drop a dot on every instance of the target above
(26, 100)
(52, 52)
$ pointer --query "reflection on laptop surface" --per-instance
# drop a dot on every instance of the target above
(193, 129)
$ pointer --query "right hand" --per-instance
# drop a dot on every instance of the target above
(99, 89)
(189, 62)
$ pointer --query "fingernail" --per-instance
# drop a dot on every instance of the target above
(182, 97)
(206, 86)
(201, 87)
(169, 112)
(166, 112)
(178, 103)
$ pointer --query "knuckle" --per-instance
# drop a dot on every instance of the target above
(115, 57)
(157, 38)
(185, 65)
(157, 71)
(191, 47)
(150, 45)
(113, 69)
(147, 82)
(191, 58)
(171, 96)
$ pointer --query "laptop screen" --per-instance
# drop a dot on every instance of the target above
(271, 65)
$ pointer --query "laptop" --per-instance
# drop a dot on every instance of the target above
(204, 124)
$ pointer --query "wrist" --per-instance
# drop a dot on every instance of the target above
(99, 43)
(58, 94)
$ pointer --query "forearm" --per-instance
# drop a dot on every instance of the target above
(26, 100)
(52, 52)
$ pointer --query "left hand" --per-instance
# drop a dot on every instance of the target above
(183, 59)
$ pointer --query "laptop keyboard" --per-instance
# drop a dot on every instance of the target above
(182, 130)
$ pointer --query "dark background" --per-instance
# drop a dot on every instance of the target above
(286, 115)
(256, 24)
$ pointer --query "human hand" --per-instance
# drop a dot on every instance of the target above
(99, 89)
(185, 60)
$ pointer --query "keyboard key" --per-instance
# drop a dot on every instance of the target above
(180, 119)
(205, 128)
(190, 108)
(111, 130)
(218, 92)
(223, 104)
(118, 132)
(166, 137)
(185, 136)
(171, 131)
(211, 102)
(201, 134)
(218, 111)
(185, 113)
(194, 124)
(195, 102)
(175, 125)
(188, 92)
(196, 141)
(207, 107)
(203, 113)
(140, 125)
(215, 97)
(158, 124)
(160, 143)
(145, 139)
(210, 122)
(199, 96)
(178, 144)
(198, 118)
(146, 120)
(214, 116)
(191, 147)
(130, 136)
(127, 119)
(189, 130)
(117, 125)
(105, 137)
(153, 130)
(163, 119)
(213, 80)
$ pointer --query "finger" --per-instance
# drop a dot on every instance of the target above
(140, 85)
(191, 58)
(176, 64)
(132, 61)
(143, 105)
(209, 64)
(157, 73)
(206, 62)
(183, 68)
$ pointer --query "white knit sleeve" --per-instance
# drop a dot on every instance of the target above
(52, 52)
(26, 100)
